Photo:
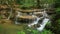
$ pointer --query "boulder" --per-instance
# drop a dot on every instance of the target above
(26, 18)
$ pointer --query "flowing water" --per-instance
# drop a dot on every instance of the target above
(35, 22)
(17, 17)
(44, 22)
(42, 25)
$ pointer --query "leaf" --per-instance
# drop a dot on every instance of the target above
(22, 32)
(18, 32)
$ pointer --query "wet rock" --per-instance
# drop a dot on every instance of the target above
(39, 14)
(26, 19)
(35, 25)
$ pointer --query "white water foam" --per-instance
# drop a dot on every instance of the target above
(45, 21)
(35, 22)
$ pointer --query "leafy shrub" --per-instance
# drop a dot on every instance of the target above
(26, 3)
(57, 10)
(33, 31)
(46, 32)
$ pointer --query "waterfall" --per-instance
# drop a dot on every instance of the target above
(45, 21)
(42, 25)
(17, 17)
(35, 22)
(45, 14)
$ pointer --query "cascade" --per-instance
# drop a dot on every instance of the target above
(44, 22)
(32, 16)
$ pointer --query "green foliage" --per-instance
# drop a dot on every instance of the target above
(47, 1)
(25, 3)
(57, 1)
(57, 10)
(48, 24)
(46, 32)
(58, 21)
(33, 31)
(22, 32)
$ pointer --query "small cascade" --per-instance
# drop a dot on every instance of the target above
(35, 22)
(45, 14)
(18, 14)
(17, 17)
(45, 21)
(41, 25)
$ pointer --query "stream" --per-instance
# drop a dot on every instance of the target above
(42, 25)
(44, 22)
